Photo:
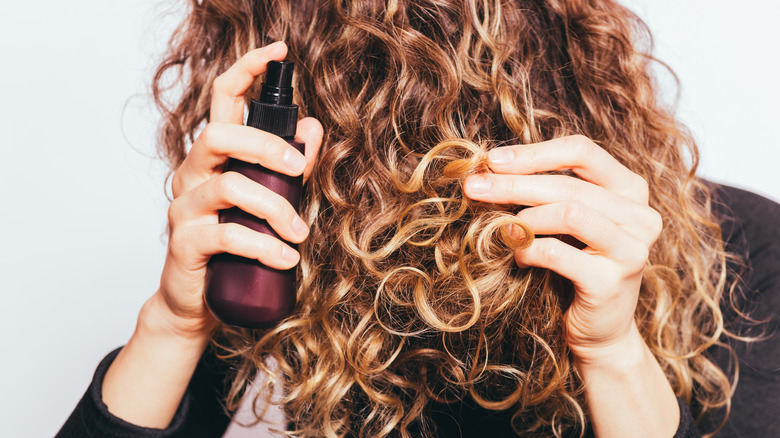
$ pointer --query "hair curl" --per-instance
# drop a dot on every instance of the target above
(408, 291)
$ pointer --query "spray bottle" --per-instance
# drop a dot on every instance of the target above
(241, 291)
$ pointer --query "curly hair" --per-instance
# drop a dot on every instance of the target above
(408, 292)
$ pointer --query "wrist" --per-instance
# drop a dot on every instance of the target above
(627, 355)
(145, 383)
(627, 391)
(156, 319)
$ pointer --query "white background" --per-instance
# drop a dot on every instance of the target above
(82, 219)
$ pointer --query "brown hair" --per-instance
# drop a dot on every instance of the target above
(408, 291)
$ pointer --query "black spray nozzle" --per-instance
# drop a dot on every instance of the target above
(277, 88)
(274, 111)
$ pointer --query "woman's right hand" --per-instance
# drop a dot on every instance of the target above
(200, 190)
(148, 378)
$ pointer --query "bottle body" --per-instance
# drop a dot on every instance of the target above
(244, 292)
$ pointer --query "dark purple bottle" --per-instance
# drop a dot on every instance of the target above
(241, 291)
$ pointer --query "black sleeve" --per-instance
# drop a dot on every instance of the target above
(200, 414)
(751, 229)
(687, 427)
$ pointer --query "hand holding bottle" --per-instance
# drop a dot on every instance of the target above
(147, 380)
(200, 190)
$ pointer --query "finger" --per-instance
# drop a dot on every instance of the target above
(232, 189)
(309, 131)
(221, 140)
(227, 99)
(218, 141)
(533, 190)
(203, 241)
(600, 234)
(551, 253)
(577, 153)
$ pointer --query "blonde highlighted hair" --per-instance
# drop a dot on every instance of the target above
(408, 292)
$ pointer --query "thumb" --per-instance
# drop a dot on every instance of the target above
(309, 131)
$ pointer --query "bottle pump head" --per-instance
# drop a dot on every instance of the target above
(274, 111)
(277, 88)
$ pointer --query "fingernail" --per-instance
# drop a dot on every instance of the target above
(478, 184)
(289, 255)
(299, 226)
(294, 160)
(501, 155)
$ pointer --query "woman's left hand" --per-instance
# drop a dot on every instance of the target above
(607, 210)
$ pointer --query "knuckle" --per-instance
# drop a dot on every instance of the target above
(642, 253)
(655, 223)
(548, 251)
(207, 135)
(275, 146)
(173, 213)
(523, 215)
(226, 236)
(636, 257)
(280, 209)
(176, 243)
(508, 185)
(264, 245)
(580, 145)
(528, 154)
(575, 215)
(521, 258)
(640, 182)
(569, 188)
(226, 185)
(641, 187)
(532, 153)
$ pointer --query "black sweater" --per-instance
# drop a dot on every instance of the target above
(750, 229)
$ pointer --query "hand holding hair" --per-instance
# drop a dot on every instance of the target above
(607, 209)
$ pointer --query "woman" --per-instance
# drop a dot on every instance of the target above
(501, 233)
